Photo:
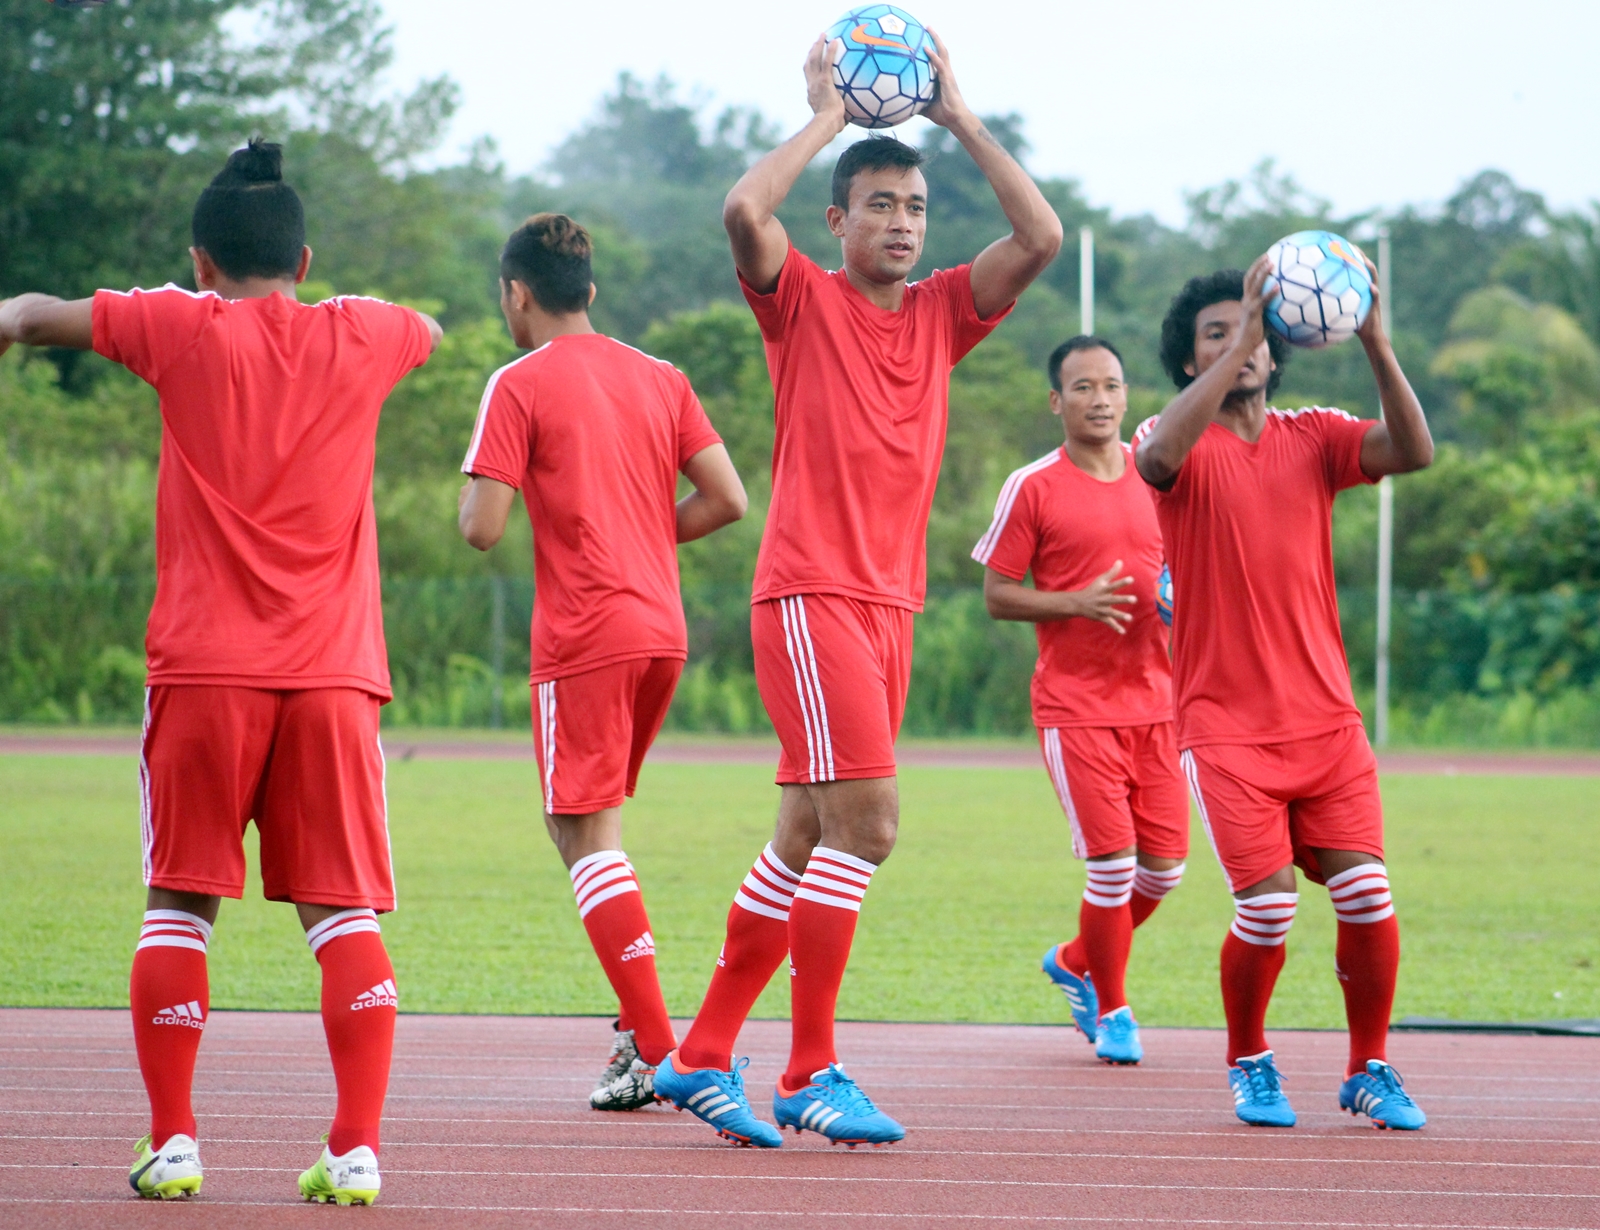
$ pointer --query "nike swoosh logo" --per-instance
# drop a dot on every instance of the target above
(860, 35)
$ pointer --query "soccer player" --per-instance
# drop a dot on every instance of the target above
(265, 643)
(595, 433)
(1081, 520)
(1271, 739)
(860, 362)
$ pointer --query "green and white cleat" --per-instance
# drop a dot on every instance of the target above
(171, 1172)
(350, 1179)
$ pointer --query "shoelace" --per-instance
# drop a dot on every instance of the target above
(1264, 1080)
(844, 1094)
(1393, 1084)
(733, 1082)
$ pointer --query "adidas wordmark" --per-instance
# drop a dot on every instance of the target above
(644, 946)
(383, 995)
(189, 1014)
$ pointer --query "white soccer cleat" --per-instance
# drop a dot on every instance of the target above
(348, 1179)
(168, 1173)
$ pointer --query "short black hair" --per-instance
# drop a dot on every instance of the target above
(872, 154)
(1177, 330)
(1084, 341)
(552, 256)
(247, 219)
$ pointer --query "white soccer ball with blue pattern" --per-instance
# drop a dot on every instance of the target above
(880, 65)
(1319, 291)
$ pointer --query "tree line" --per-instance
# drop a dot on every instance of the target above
(112, 119)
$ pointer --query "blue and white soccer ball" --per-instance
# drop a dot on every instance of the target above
(880, 65)
(1319, 292)
(1164, 595)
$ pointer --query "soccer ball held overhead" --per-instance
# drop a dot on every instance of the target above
(880, 65)
(1319, 292)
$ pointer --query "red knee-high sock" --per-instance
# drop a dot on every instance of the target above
(612, 909)
(1367, 958)
(359, 1002)
(1149, 888)
(822, 924)
(170, 997)
(1105, 927)
(1252, 956)
(756, 943)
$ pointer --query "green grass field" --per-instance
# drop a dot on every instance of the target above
(1494, 879)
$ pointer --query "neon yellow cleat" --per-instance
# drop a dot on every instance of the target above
(351, 1179)
(169, 1173)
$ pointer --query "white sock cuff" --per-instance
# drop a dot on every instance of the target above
(1361, 894)
(598, 877)
(835, 878)
(1110, 882)
(769, 888)
(173, 929)
(1157, 884)
(345, 922)
(1264, 920)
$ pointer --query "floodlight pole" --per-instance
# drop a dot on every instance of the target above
(1380, 716)
(1086, 279)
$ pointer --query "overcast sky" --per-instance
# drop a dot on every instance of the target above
(1372, 103)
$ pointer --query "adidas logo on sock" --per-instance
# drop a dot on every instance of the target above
(381, 996)
(644, 946)
(190, 1014)
(722, 956)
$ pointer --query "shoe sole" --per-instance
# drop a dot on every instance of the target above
(848, 1144)
(345, 1198)
(173, 1189)
(1120, 1063)
(1382, 1125)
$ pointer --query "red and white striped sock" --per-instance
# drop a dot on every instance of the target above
(1252, 957)
(1149, 887)
(359, 1004)
(757, 941)
(1105, 928)
(1366, 958)
(612, 909)
(169, 993)
(822, 925)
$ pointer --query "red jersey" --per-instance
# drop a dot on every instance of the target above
(862, 400)
(595, 432)
(1257, 655)
(266, 543)
(1067, 527)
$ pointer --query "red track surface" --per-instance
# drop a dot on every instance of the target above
(488, 1127)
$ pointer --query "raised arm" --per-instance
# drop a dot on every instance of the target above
(1004, 269)
(44, 320)
(1401, 442)
(1187, 415)
(749, 214)
(718, 498)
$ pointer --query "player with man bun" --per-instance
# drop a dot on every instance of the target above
(1081, 520)
(265, 643)
(860, 361)
(595, 433)
(1271, 739)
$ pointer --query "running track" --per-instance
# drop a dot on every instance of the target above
(1009, 1126)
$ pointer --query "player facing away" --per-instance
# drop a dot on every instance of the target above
(595, 433)
(1272, 742)
(265, 643)
(860, 362)
(1081, 520)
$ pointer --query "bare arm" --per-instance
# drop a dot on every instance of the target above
(749, 214)
(1187, 415)
(485, 504)
(1100, 600)
(718, 498)
(435, 331)
(1004, 269)
(44, 320)
(1401, 442)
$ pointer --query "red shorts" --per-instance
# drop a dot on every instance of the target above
(591, 731)
(833, 673)
(1271, 804)
(1120, 786)
(306, 766)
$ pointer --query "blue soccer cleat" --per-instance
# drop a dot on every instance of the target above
(1380, 1095)
(1080, 993)
(833, 1105)
(1258, 1092)
(716, 1098)
(1116, 1039)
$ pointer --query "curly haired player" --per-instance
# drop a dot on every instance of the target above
(265, 643)
(1081, 520)
(1271, 738)
(860, 362)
